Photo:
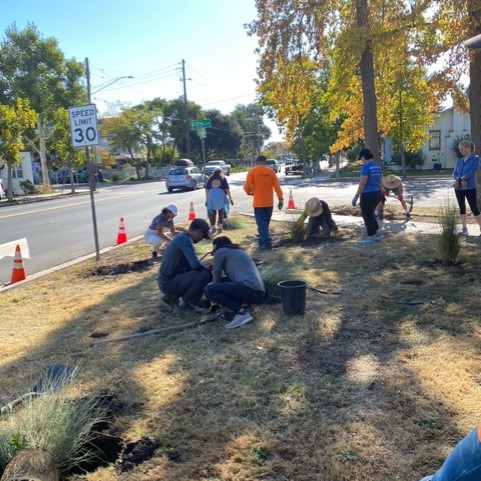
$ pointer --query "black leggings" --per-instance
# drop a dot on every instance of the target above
(469, 194)
(368, 204)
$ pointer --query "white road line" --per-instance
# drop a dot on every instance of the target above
(127, 194)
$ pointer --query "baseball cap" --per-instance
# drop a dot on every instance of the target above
(200, 224)
(173, 208)
(366, 153)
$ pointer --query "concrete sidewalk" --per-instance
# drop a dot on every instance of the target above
(388, 226)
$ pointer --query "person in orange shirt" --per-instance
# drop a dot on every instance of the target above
(261, 181)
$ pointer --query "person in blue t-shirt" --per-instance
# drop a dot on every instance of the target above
(464, 462)
(465, 182)
(370, 192)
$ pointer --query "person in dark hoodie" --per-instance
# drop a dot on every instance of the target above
(181, 275)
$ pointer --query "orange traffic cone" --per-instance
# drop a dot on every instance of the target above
(18, 272)
(121, 235)
(290, 203)
(191, 212)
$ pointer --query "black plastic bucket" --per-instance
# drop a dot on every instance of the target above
(293, 296)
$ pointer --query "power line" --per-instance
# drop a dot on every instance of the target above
(226, 100)
(141, 83)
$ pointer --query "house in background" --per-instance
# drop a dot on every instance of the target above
(20, 172)
(449, 127)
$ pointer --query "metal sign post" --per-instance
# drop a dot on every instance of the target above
(84, 133)
(199, 126)
(202, 133)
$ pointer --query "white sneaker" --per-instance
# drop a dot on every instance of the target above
(464, 231)
(241, 318)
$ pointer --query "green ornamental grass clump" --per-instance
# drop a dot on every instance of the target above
(54, 423)
(297, 229)
(449, 239)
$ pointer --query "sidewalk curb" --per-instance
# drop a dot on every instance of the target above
(78, 260)
(41, 199)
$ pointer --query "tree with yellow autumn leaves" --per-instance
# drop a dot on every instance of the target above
(385, 73)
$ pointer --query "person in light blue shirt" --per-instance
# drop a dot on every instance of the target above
(464, 176)
(370, 192)
(464, 462)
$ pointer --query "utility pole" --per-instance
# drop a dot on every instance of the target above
(91, 172)
(186, 112)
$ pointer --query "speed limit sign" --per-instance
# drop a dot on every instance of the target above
(83, 125)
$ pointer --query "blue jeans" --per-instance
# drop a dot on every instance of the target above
(464, 462)
(233, 294)
(263, 218)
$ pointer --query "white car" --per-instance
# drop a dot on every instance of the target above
(2, 191)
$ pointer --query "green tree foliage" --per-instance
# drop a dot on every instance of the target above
(34, 68)
(254, 132)
(224, 137)
(122, 136)
(14, 120)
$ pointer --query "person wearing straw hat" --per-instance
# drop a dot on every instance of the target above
(155, 234)
(319, 216)
(393, 183)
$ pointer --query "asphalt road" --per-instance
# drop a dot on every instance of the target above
(60, 230)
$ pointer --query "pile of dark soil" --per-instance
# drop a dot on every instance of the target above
(123, 268)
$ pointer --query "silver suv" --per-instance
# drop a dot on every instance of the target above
(210, 167)
(184, 178)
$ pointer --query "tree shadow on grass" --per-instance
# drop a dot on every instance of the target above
(330, 395)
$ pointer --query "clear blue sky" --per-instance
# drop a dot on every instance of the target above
(136, 37)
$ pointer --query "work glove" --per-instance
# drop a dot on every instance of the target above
(354, 200)
(231, 202)
(280, 205)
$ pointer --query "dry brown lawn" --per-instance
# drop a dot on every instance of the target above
(360, 388)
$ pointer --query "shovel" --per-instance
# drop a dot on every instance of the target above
(50, 382)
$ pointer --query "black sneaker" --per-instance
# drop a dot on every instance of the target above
(407, 215)
(155, 255)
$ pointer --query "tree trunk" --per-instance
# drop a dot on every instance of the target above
(71, 175)
(368, 85)
(9, 181)
(43, 155)
(402, 154)
(475, 87)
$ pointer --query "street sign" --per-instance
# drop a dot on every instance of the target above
(200, 124)
(83, 125)
(202, 133)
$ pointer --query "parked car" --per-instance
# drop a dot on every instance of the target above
(2, 191)
(272, 164)
(210, 167)
(295, 168)
(184, 178)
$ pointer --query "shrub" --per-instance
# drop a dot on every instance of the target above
(455, 144)
(449, 239)
(353, 153)
(297, 228)
(115, 177)
(233, 223)
(28, 187)
(413, 159)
